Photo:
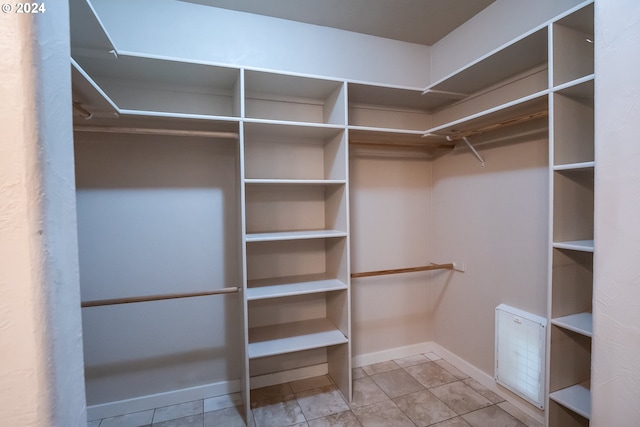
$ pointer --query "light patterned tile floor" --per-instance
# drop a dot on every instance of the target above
(417, 391)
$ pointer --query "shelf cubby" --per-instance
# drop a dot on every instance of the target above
(570, 359)
(170, 87)
(573, 199)
(573, 124)
(300, 153)
(292, 98)
(573, 46)
(572, 276)
(385, 107)
(293, 323)
(296, 261)
(299, 207)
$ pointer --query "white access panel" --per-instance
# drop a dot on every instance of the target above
(520, 353)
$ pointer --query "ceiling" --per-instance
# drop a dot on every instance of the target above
(416, 21)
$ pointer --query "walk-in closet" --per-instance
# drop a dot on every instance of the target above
(263, 201)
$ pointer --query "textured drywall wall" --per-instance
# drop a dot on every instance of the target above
(210, 34)
(41, 370)
(23, 365)
(615, 381)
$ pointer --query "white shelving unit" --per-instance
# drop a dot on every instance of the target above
(296, 224)
(572, 204)
(292, 200)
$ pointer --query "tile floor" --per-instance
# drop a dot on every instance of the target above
(421, 390)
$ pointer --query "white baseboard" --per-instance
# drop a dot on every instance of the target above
(151, 401)
(392, 353)
(488, 381)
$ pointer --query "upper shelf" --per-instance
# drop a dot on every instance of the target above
(529, 105)
(144, 84)
(87, 32)
(284, 97)
(88, 96)
(395, 97)
(518, 56)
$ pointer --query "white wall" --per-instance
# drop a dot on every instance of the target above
(41, 379)
(494, 221)
(390, 209)
(496, 25)
(615, 381)
(217, 35)
(157, 215)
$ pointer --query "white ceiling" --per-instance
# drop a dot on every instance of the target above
(416, 21)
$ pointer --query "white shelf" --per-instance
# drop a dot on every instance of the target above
(291, 337)
(575, 245)
(577, 398)
(87, 32)
(581, 323)
(138, 83)
(396, 97)
(320, 182)
(266, 129)
(509, 60)
(294, 123)
(294, 235)
(526, 105)
(90, 96)
(579, 88)
(289, 286)
(581, 166)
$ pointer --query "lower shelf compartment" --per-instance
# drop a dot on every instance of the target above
(576, 398)
(295, 336)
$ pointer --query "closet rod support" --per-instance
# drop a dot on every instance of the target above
(449, 266)
(473, 150)
(117, 301)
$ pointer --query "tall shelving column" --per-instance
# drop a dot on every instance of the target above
(572, 204)
(295, 237)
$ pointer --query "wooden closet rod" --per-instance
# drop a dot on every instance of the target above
(428, 146)
(103, 302)
(449, 266)
(504, 123)
(148, 131)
